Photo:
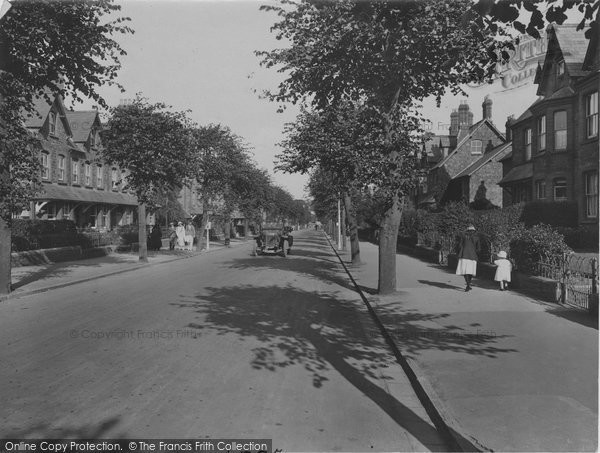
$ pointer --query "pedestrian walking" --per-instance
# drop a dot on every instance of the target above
(156, 238)
(468, 248)
(503, 271)
(172, 236)
(180, 232)
(190, 235)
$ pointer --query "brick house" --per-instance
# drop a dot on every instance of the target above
(467, 166)
(555, 141)
(76, 183)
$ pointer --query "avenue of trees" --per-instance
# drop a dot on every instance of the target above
(360, 69)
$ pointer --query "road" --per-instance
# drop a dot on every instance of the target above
(221, 345)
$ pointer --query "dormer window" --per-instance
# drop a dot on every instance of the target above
(93, 138)
(560, 68)
(52, 123)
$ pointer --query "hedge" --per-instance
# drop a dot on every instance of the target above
(554, 213)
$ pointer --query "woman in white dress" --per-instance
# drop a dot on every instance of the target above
(190, 234)
(180, 231)
(467, 256)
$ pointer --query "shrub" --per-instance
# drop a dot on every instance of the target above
(536, 243)
(43, 234)
(499, 228)
(555, 213)
(454, 218)
(583, 237)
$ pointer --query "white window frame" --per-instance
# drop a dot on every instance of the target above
(560, 67)
(45, 166)
(74, 172)
(556, 185)
(99, 177)
(61, 167)
(591, 115)
(560, 132)
(591, 194)
(88, 174)
(113, 178)
(541, 130)
(476, 150)
(527, 136)
(52, 123)
(540, 189)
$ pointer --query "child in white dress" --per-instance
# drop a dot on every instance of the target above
(503, 271)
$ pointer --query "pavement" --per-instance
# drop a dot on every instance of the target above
(507, 372)
(34, 279)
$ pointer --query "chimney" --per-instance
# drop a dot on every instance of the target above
(454, 122)
(464, 115)
(487, 108)
(509, 121)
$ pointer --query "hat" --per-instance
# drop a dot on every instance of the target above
(502, 254)
(470, 228)
(180, 223)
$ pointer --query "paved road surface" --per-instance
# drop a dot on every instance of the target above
(220, 345)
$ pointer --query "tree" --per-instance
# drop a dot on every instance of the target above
(46, 48)
(156, 146)
(333, 140)
(541, 13)
(388, 55)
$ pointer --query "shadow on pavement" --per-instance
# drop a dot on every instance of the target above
(53, 431)
(319, 332)
(440, 285)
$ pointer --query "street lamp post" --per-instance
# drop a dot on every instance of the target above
(339, 225)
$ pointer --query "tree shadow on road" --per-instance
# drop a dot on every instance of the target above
(321, 332)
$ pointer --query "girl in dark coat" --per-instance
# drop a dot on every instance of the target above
(467, 255)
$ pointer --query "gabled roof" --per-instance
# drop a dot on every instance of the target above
(497, 153)
(572, 45)
(82, 122)
(36, 119)
(519, 173)
(471, 131)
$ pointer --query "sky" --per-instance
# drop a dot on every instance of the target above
(199, 55)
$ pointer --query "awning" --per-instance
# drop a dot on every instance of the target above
(518, 173)
(69, 193)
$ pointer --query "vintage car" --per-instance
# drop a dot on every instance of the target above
(273, 240)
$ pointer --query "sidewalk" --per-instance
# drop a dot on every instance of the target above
(33, 279)
(508, 372)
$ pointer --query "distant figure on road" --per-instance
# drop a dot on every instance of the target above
(156, 238)
(468, 249)
(503, 271)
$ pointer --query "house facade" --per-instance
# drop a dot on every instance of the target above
(76, 183)
(466, 160)
(555, 141)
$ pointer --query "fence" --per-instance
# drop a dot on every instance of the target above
(577, 275)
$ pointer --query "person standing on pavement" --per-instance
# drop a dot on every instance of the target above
(190, 235)
(468, 248)
(172, 236)
(503, 271)
(180, 232)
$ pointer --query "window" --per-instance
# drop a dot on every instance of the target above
(52, 123)
(45, 166)
(51, 211)
(99, 177)
(560, 189)
(591, 194)
(560, 130)
(541, 130)
(475, 146)
(560, 68)
(88, 174)
(122, 180)
(521, 192)
(75, 172)
(93, 138)
(113, 178)
(528, 144)
(540, 189)
(591, 115)
(61, 168)
(66, 211)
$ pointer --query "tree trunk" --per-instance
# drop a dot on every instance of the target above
(343, 227)
(203, 223)
(227, 229)
(143, 246)
(5, 249)
(245, 228)
(353, 227)
(388, 238)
